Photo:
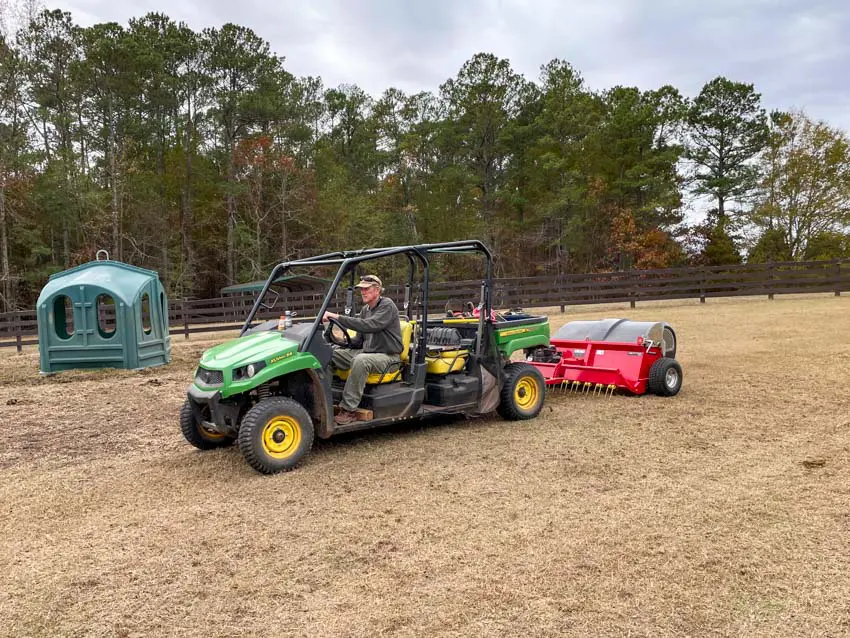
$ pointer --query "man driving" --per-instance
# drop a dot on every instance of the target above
(378, 322)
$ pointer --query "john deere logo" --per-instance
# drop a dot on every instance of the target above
(280, 358)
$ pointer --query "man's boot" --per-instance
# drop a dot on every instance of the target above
(345, 417)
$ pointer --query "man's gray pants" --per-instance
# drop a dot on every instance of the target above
(361, 364)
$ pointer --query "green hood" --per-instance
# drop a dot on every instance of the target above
(260, 346)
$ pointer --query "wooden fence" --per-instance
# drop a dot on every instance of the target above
(188, 316)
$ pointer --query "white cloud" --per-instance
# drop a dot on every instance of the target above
(794, 51)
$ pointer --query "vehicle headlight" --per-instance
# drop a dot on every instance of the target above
(246, 372)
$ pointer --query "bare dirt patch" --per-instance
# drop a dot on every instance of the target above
(723, 511)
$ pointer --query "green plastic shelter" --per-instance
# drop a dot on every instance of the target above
(103, 314)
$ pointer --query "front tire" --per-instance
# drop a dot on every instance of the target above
(199, 436)
(275, 435)
(522, 393)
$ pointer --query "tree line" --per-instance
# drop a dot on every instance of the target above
(197, 154)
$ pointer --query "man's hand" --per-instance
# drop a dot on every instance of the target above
(329, 315)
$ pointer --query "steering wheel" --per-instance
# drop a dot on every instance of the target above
(330, 334)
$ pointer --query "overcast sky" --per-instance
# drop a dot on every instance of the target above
(796, 52)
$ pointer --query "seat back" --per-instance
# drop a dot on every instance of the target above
(444, 352)
(406, 335)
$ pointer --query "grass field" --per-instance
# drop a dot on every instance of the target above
(724, 511)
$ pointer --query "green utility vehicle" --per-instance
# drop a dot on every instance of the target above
(272, 389)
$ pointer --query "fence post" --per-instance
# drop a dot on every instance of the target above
(19, 346)
(770, 279)
(702, 285)
(635, 289)
(185, 319)
(559, 288)
(837, 277)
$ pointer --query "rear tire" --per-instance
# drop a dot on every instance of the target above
(275, 435)
(197, 434)
(665, 377)
(523, 392)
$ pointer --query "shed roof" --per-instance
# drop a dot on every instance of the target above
(294, 283)
(122, 280)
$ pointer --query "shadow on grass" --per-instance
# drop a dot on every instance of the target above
(401, 429)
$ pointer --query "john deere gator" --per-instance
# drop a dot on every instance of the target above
(272, 390)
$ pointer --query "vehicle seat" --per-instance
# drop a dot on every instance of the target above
(393, 371)
(444, 352)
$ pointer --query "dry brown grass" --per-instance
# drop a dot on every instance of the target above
(723, 511)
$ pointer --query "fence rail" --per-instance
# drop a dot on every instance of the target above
(187, 316)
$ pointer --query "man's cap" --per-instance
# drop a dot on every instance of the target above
(367, 281)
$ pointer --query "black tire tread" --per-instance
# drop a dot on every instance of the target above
(257, 417)
(513, 371)
(191, 431)
(656, 383)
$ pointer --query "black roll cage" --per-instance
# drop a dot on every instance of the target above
(348, 260)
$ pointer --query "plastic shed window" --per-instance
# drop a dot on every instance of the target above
(105, 308)
(146, 313)
(63, 316)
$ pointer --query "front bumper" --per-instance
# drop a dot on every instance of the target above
(223, 416)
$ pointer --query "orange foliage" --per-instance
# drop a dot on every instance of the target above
(650, 249)
(258, 153)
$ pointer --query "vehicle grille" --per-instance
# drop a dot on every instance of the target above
(209, 377)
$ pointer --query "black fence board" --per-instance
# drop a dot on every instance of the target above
(189, 316)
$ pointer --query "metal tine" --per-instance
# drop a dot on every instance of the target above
(611, 389)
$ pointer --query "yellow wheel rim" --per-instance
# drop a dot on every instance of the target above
(281, 437)
(210, 435)
(526, 393)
